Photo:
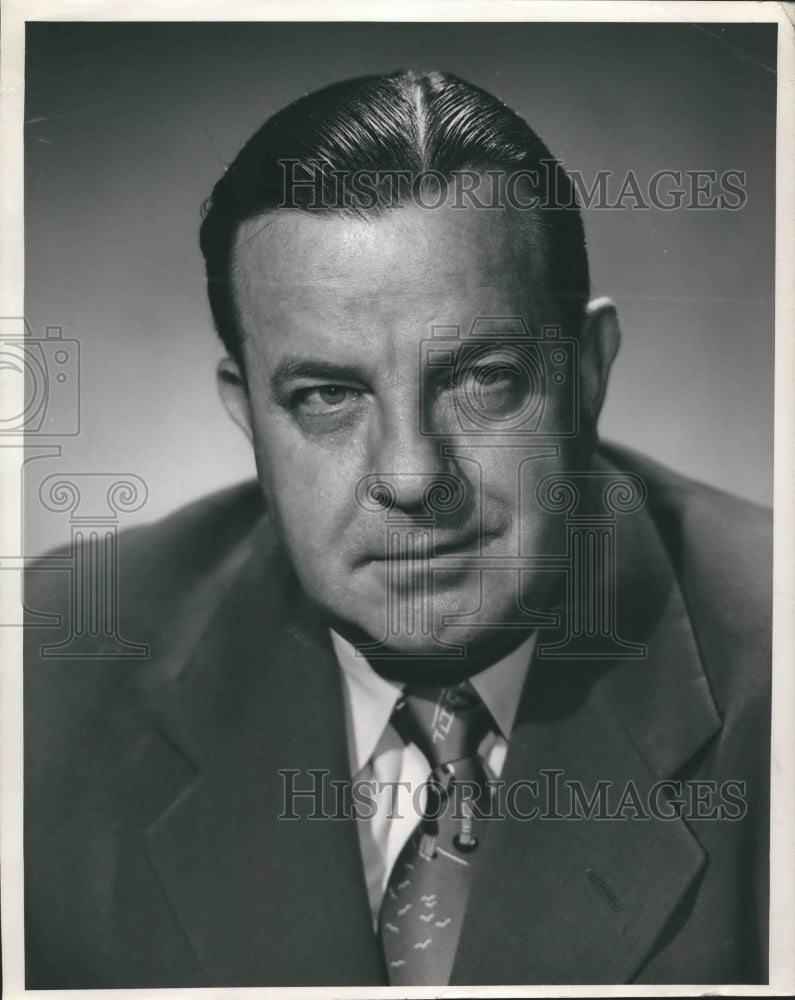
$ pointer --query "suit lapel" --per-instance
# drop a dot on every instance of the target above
(263, 900)
(587, 900)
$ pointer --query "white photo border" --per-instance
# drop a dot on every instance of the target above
(12, 86)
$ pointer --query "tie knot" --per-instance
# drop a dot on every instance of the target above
(447, 724)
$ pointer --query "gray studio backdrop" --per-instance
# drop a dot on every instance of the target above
(129, 125)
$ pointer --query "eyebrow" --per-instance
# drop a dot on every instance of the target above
(290, 368)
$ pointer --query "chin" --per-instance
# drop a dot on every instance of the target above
(448, 658)
(443, 646)
(362, 615)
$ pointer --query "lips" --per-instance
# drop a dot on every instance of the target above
(457, 545)
(444, 546)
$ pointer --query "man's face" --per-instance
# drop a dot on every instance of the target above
(354, 415)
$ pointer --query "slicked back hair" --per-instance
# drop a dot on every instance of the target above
(433, 123)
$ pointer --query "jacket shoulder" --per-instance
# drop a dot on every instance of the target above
(156, 563)
(707, 531)
(721, 550)
(95, 639)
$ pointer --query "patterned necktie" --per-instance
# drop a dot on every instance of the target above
(426, 897)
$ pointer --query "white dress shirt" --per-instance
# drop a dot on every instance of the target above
(379, 755)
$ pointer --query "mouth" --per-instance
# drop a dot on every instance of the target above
(459, 546)
(450, 546)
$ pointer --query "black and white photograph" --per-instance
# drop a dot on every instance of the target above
(397, 546)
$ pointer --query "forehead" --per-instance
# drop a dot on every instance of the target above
(443, 264)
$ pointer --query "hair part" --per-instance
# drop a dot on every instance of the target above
(432, 124)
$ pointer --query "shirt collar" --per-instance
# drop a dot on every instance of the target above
(500, 685)
(371, 698)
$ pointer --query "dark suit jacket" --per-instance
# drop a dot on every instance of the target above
(154, 857)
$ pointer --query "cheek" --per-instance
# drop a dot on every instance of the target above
(309, 490)
(511, 477)
(511, 472)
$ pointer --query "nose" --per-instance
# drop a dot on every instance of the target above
(409, 462)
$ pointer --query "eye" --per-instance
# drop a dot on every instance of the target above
(319, 398)
(323, 408)
(497, 375)
(333, 395)
(498, 386)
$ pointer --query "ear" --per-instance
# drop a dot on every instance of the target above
(599, 345)
(234, 394)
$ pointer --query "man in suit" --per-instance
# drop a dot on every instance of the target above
(442, 588)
